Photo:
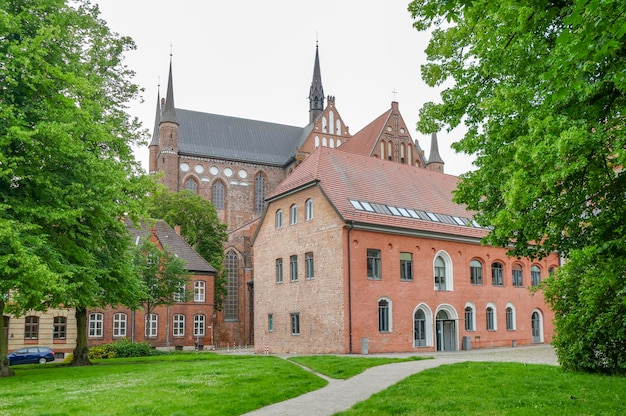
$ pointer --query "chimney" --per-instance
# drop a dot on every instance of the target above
(177, 229)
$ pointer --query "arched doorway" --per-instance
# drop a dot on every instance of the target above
(446, 332)
(537, 327)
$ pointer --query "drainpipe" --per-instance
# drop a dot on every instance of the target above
(350, 226)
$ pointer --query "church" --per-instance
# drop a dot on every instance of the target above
(373, 206)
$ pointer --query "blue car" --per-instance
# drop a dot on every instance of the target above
(31, 355)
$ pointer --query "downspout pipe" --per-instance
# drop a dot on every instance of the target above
(350, 226)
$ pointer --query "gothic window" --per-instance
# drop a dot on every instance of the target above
(231, 304)
(440, 274)
(384, 315)
(218, 195)
(259, 194)
(191, 185)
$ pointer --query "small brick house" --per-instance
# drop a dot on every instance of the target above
(183, 325)
(355, 254)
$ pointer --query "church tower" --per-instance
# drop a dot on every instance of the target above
(167, 159)
(435, 162)
(316, 93)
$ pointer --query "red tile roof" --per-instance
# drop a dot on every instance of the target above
(364, 140)
(345, 176)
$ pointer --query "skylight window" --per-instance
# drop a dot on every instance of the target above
(404, 212)
(394, 211)
(433, 217)
(413, 214)
(381, 209)
(460, 221)
(367, 206)
(357, 205)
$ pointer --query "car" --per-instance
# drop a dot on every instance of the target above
(31, 355)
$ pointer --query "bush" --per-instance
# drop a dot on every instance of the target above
(126, 348)
(101, 351)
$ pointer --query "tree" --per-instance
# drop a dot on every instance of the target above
(164, 276)
(540, 87)
(199, 226)
(67, 172)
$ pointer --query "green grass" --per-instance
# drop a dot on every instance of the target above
(178, 384)
(477, 388)
(343, 367)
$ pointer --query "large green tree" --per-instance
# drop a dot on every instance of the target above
(199, 226)
(67, 172)
(540, 88)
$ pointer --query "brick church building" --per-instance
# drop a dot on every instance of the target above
(240, 165)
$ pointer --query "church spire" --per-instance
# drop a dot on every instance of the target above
(157, 117)
(435, 162)
(169, 112)
(316, 93)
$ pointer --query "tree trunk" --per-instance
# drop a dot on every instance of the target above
(81, 352)
(5, 370)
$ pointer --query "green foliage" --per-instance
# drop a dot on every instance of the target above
(345, 367)
(588, 294)
(488, 388)
(180, 384)
(199, 226)
(67, 170)
(541, 88)
(101, 351)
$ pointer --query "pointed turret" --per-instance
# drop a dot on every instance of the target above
(169, 112)
(435, 162)
(316, 93)
(157, 119)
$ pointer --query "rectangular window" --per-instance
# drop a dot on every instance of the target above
(95, 324)
(293, 268)
(496, 275)
(270, 322)
(119, 325)
(152, 325)
(31, 327)
(517, 277)
(309, 265)
(295, 324)
(179, 295)
(178, 329)
(198, 291)
(406, 266)
(60, 328)
(535, 276)
(476, 272)
(279, 270)
(198, 326)
(373, 264)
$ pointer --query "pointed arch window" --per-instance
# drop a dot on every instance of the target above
(231, 304)
(440, 274)
(384, 315)
(191, 185)
(259, 194)
(218, 195)
(382, 150)
(419, 322)
(389, 151)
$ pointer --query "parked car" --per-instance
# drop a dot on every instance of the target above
(31, 355)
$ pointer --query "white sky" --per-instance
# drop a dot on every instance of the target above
(254, 59)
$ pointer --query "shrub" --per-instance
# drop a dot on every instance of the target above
(126, 348)
(101, 351)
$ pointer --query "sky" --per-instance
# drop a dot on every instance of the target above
(254, 60)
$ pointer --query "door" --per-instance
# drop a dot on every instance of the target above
(536, 327)
(446, 332)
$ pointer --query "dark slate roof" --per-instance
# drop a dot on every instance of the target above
(232, 138)
(173, 243)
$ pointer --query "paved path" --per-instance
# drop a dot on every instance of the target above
(341, 395)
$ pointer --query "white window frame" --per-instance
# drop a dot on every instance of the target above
(293, 214)
(279, 219)
(152, 325)
(96, 325)
(119, 325)
(199, 325)
(308, 209)
(494, 317)
(178, 325)
(199, 292)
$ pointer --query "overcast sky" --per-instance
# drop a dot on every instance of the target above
(254, 59)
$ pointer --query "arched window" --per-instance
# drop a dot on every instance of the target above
(60, 328)
(402, 146)
(510, 317)
(535, 275)
(382, 150)
(199, 292)
(259, 194)
(491, 318)
(440, 274)
(409, 155)
(384, 315)
(293, 214)
(309, 209)
(152, 325)
(470, 318)
(419, 324)
(231, 304)
(389, 151)
(496, 274)
(279, 218)
(191, 185)
(217, 196)
(518, 275)
(476, 272)
(119, 325)
(95, 324)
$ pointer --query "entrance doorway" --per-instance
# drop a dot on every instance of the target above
(446, 332)
(536, 325)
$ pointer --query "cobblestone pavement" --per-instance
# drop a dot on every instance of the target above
(339, 395)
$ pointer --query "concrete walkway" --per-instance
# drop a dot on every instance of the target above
(341, 395)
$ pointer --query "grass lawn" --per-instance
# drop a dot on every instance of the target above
(340, 367)
(478, 388)
(176, 385)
